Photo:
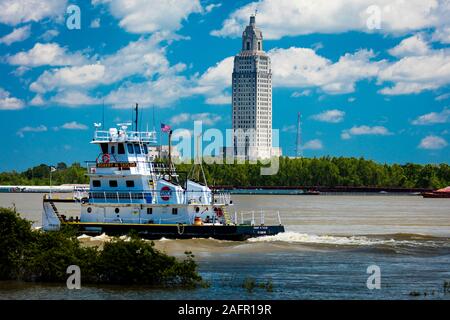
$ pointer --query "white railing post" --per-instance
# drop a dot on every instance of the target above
(279, 218)
(253, 218)
(104, 196)
(242, 218)
(235, 218)
(131, 199)
(262, 217)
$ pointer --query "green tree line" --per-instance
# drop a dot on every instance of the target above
(325, 171)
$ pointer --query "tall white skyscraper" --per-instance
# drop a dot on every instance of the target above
(252, 98)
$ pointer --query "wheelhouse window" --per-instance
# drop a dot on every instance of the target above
(96, 183)
(113, 183)
(113, 149)
(130, 183)
(121, 148)
(130, 148)
(137, 149)
(104, 147)
(145, 149)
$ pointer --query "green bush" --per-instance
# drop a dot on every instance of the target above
(15, 235)
(44, 256)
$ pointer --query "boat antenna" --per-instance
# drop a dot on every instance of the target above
(103, 115)
(137, 116)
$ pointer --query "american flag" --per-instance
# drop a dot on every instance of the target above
(165, 127)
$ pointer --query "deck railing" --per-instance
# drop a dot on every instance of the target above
(153, 197)
(121, 136)
(257, 217)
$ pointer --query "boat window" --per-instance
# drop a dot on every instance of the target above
(113, 150)
(149, 210)
(96, 183)
(117, 210)
(121, 149)
(104, 147)
(145, 149)
(130, 183)
(130, 148)
(113, 183)
(137, 149)
(174, 210)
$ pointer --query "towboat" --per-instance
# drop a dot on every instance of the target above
(441, 193)
(130, 190)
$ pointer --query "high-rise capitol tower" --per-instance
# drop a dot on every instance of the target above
(252, 98)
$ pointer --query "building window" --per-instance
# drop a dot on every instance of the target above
(113, 183)
(130, 148)
(149, 210)
(259, 46)
(248, 45)
(174, 210)
(121, 149)
(130, 183)
(96, 183)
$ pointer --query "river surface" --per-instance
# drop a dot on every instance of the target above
(329, 243)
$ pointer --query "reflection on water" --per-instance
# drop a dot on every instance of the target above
(329, 243)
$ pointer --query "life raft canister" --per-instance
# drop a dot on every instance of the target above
(219, 212)
(106, 158)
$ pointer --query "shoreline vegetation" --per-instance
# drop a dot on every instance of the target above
(36, 256)
(320, 172)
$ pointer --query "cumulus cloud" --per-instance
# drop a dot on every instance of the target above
(50, 54)
(206, 117)
(74, 126)
(315, 144)
(331, 116)
(72, 98)
(364, 131)
(17, 35)
(147, 16)
(14, 12)
(280, 18)
(414, 74)
(412, 46)
(433, 143)
(433, 118)
(9, 103)
(22, 131)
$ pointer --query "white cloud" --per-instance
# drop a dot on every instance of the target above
(212, 6)
(9, 103)
(74, 126)
(302, 67)
(414, 74)
(432, 143)
(315, 144)
(22, 131)
(442, 97)
(206, 117)
(50, 54)
(74, 98)
(49, 34)
(17, 35)
(146, 16)
(219, 99)
(279, 18)
(331, 116)
(143, 57)
(364, 131)
(38, 100)
(13, 12)
(162, 92)
(412, 46)
(442, 35)
(95, 23)
(84, 76)
(433, 118)
(298, 94)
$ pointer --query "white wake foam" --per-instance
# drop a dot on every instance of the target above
(295, 237)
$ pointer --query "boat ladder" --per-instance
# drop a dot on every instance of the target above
(55, 210)
(226, 216)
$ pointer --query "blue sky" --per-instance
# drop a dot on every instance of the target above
(371, 78)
